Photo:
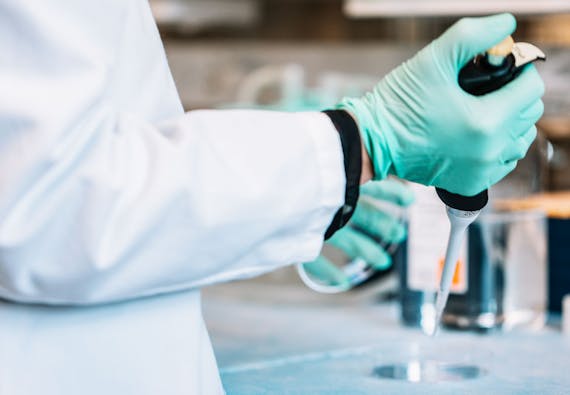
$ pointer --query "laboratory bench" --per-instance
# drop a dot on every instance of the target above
(280, 338)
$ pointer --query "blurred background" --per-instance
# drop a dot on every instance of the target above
(307, 54)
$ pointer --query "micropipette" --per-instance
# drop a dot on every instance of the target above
(484, 74)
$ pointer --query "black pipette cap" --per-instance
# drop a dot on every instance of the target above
(464, 203)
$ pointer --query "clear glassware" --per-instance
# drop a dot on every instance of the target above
(507, 273)
(477, 300)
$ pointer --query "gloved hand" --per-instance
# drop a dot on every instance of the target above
(420, 125)
(373, 222)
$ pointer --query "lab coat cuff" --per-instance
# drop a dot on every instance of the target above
(352, 153)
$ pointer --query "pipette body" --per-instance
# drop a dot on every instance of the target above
(484, 74)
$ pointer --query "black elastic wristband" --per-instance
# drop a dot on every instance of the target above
(351, 149)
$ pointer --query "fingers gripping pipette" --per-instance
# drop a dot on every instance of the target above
(486, 73)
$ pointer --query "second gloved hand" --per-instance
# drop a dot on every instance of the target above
(355, 240)
(420, 125)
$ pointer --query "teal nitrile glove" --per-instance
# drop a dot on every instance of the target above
(373, 222)
(418, 123)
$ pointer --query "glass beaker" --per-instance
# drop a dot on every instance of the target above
(423, 253)
(506, 276)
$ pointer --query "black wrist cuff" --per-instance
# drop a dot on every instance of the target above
(351, 149)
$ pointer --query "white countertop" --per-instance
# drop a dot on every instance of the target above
(283, 339)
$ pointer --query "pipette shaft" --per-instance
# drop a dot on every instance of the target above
(459, 221)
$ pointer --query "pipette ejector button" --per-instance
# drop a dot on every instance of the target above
(496, 55)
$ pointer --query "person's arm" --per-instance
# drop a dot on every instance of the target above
(109, 191)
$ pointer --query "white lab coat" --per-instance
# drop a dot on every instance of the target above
(110, 193)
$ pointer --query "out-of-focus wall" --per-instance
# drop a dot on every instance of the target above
(325, 20)
(208, 74)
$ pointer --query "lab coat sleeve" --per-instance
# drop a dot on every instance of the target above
(108, 191)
